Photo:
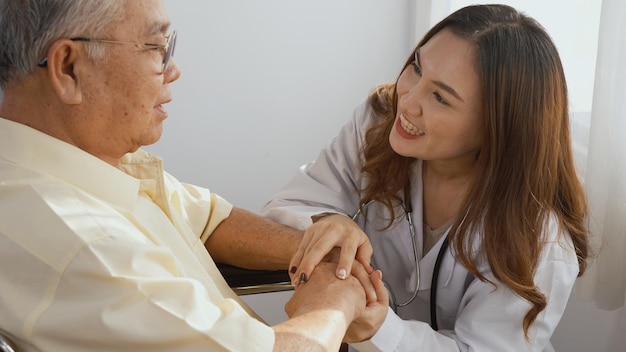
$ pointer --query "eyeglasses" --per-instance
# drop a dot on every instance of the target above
(168, 47)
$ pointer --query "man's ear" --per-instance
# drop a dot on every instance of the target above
(64, 78)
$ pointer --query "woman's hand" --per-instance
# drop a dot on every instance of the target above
(370, 320)
(323, 239)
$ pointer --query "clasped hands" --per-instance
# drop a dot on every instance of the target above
(332, 267)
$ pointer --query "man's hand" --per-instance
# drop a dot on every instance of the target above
(366, 325)
(320, 311)
(324, 291)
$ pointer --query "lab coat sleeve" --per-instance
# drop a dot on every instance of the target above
(488, 318)
(405, 335)
(500, 312)
(328, 184)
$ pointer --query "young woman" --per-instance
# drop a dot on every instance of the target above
(460, 177)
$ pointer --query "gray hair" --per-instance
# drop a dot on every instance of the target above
(29, 27)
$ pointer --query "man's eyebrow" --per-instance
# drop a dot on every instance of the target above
(159, 28)
(439, 84)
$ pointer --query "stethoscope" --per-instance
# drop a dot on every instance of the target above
(408, 212)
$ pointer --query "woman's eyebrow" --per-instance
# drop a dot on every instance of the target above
(439, 84)
(448, 89)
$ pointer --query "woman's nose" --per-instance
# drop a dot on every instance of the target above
(411, 101)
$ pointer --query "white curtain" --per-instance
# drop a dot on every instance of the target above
(605, 169)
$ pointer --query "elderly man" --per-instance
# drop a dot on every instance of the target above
(100, 249)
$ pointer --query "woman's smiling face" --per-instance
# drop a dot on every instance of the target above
(438, 114)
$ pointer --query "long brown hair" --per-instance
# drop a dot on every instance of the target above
(525, 165)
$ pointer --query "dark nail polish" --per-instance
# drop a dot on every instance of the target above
(293, 269)
(303, 277)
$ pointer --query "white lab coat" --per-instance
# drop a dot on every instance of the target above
(472, 315)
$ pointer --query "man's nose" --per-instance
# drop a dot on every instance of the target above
(172, 73)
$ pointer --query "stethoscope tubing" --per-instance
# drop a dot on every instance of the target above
(437, 268)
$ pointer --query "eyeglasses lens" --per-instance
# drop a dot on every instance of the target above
(169, 53)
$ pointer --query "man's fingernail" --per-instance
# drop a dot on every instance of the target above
(342, 274)
(293, 269)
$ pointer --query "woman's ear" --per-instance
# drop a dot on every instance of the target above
(61, 65)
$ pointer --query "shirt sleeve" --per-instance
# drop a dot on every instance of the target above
(202, 209)
(220, 210)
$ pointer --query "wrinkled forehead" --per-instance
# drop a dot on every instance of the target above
(145, 18)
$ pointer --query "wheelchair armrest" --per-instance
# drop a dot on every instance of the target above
(6, 345)
(247, 282)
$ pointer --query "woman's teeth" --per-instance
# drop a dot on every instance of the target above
(410, 128)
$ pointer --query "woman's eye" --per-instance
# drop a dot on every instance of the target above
(440, 99)
(416, 68)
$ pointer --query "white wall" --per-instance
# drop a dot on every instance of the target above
(266, 84)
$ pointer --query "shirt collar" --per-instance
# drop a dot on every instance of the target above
(38, 151)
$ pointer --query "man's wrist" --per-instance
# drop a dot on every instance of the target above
(315, 218)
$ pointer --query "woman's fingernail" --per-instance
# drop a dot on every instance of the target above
(293, 269)
(303, 278)
(342, 274)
